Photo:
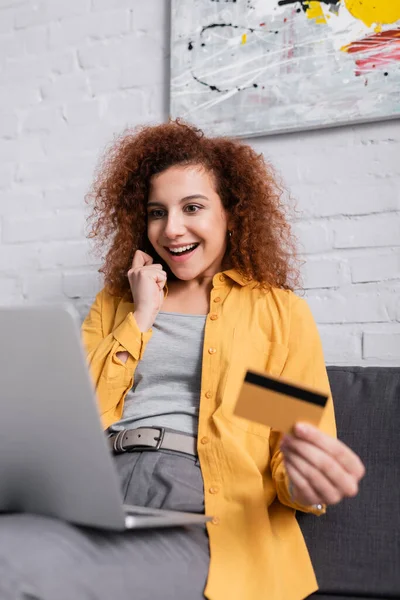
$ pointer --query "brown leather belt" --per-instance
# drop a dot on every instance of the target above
(152, 438)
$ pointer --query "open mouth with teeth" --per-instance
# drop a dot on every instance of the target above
(182, 250)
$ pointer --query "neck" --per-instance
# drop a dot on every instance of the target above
(202, 284)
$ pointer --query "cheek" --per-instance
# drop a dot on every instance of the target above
(212, 229)
(216, 241)
(153, 231)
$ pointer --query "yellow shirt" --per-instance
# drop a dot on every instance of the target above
(256, 546)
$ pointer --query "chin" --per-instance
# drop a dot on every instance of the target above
(182, 275)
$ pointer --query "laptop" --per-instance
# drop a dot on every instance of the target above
(54, 456)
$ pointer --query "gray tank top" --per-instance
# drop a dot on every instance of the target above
(166, 389)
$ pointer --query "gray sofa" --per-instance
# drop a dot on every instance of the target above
(355, 547)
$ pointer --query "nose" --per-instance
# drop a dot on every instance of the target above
(174, 226)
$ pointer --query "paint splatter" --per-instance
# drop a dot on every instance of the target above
(244, 37)
(305, 3)
(314, 11)
(374, 11)
(378, 41)
(290, 73)
(382, 49)
(313, 8)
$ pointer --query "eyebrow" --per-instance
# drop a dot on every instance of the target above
(185, 199)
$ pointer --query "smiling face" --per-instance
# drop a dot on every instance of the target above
(187, 224)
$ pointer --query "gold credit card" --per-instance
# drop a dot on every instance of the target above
(278, 403)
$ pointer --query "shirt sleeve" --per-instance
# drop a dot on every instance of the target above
(305, 364)
(112, 378)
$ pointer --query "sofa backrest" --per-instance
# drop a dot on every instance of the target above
(355, 547)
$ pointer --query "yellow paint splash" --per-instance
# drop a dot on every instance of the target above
(314, 11)
(381, 12)
(244, 38)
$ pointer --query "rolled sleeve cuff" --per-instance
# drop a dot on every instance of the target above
(131, 338)
(283, 486)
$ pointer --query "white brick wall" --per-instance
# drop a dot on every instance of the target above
(72, 74)
(346, 184)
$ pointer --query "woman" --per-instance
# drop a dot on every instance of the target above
(198, 280)
(199, 273)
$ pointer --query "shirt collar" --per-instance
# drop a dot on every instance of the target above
(236, 277)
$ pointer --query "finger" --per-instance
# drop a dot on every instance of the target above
(323, 463)
(155, 274)
(161, 278)
(302, 491)
(141, 259)
(155, 266)
(326, 490)
(347, 458)
(146, 268)
(149, 270)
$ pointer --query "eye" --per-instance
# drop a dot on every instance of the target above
(157, 213)
(192, 208)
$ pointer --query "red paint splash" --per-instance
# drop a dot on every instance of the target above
(372, 42)
(382, 48)
(376, 60)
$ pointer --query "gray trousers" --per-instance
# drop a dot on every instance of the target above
(47, 559)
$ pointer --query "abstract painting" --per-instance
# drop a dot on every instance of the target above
(254, 67)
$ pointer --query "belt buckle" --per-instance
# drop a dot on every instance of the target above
(159, 440)
(117, 444)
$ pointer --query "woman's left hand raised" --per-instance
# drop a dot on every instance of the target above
(321, 469)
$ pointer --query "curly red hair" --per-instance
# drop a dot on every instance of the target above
(262, 247)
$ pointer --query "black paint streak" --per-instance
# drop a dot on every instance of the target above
(284, 2)
(251, 29)
(303, 4)
(213, 88)
(218, 25)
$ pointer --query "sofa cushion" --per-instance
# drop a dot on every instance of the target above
(355, 547)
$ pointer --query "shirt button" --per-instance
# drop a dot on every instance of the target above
(208, 394)
(205, 440)
(222, 277)
(212, 350)
(217, 299)
(213, 317)
(214, 490)
(215, 520)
